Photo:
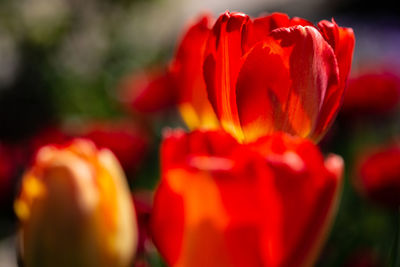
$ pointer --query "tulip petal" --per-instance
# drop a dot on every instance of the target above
(168, 233)
(342, 41)
(187, 70)
(221, 67)
(263, 90)
(285, 90)
(308, 188)
(177, 146)
(149, 92)
(313, 70)
(263, 26)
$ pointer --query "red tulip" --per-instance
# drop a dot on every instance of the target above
(221, 203)
(149, 91)
(374, 91)
(274, 74)
(48, 135)
(378, 175)
(127, 142)
(181, 84)
(187, 72)
(12, 160)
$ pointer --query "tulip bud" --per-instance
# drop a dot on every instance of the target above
(75, 209)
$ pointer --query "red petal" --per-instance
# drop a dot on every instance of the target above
(263, 26)
(148, 92)
(309, 191)
(221, 67)
(284, 91)
(178, 145)
(314, 72)
(167, 225)
(187, 70)
(342, 40)
(262, 90)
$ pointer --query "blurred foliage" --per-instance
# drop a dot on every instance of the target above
(69, 57)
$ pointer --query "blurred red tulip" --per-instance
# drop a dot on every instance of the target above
(7, 172)
(128, 142)
(187, 72)
(364, 258)
(143, 205)
(181, 84)
(49, 135)
(274, 74)
(12, 161)
(220, 203)
(375, 91)
(378, 175)
(149, 92)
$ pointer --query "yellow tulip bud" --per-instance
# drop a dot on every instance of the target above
(75, 209)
